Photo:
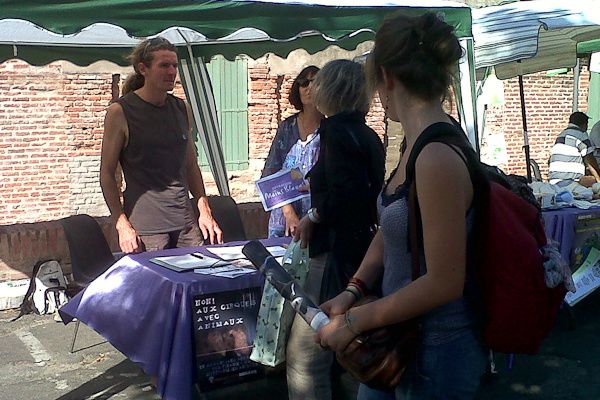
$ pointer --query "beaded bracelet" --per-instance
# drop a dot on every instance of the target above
(360, 284)
(358, 290)
(354, 291)
(348, 319)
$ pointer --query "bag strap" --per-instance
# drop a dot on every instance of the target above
(55, 290)
(413, 216)
(450, 135)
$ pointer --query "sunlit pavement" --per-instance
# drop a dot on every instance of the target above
(35, 364)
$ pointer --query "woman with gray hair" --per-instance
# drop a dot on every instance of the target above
(344, 185)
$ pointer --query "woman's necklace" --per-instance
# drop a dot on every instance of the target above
(303, 129)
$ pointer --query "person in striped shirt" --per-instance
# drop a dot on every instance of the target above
(572, 153)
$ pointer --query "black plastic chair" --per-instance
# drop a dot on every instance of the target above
(225, 211)
(90, 254)
(535, 168)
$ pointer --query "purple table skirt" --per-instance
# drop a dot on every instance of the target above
(560, 226)
(145, 311)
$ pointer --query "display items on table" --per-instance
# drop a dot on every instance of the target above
(228, 262)
(123, 303)
(565, 194)
(586, 278)
(281, 188)
(224, 330)
(186, 262)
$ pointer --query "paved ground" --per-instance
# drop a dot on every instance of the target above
(35, 364)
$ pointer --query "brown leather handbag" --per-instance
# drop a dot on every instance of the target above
(378, 358)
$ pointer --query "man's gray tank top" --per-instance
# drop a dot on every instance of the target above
(443, 323)
(156, 198)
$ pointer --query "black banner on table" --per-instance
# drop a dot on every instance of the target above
(224, 330)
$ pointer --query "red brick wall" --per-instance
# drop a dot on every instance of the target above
(548, 102)
(34, 145)
(269, 105)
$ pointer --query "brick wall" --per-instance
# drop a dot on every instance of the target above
(87, 97)
(548, 102)
(268, 105)
(22, 245)
(34, 144)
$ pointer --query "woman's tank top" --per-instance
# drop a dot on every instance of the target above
(443, 323)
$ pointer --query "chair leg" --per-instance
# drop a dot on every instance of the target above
(74, 335)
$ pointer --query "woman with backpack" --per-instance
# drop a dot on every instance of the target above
(412, 66)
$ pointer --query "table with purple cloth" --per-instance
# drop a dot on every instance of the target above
(145, 311)
(560, 226)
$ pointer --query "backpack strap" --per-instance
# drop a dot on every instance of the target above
(414, 221)
(56, 290)
(451, 135)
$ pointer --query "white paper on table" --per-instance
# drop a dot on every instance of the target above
(586, 278)
(225, 271)
(187, 261)
(231, 253)
(232, 270)
(276, 251)
(228, 253)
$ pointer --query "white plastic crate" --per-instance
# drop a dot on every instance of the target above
(12, 293)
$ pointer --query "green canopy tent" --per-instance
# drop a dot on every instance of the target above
(86, 31)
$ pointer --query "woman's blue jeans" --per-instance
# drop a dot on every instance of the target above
(447, 371)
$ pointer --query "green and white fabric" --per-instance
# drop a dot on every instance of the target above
(275, 315)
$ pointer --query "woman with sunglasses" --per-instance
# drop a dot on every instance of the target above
(296, 144)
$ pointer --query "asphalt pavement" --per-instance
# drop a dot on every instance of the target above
(35, 364)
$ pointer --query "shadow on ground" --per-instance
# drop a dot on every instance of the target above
(112, 382)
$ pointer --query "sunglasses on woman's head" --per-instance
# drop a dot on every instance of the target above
(304, 82)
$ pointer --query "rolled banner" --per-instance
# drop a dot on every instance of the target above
(285, 284)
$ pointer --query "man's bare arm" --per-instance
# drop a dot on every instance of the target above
(594, 168)
(209, 227)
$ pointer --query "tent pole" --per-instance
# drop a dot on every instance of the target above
(525, 133)
(576, 73)
(468, 100)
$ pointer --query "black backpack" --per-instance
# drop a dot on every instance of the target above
(51, 293)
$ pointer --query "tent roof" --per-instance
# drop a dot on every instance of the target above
(86, 31)
(526, 37)
(110, 42)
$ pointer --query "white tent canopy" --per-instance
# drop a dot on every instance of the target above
(525, 37)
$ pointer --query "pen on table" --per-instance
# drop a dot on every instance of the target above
(197, 255)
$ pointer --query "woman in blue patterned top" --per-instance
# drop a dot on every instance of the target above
(295, 145)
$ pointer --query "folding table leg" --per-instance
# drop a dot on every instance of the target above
(74, 336)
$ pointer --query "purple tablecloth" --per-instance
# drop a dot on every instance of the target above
(145, 311)
(560, 226)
